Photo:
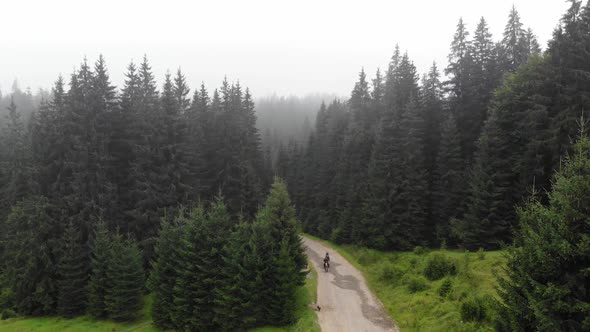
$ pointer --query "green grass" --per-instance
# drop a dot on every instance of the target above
(390, 273)
(307, 319)
(79, 324)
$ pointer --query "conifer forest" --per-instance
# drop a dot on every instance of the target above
(196, 202)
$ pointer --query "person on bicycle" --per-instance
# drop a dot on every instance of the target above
(327, 259)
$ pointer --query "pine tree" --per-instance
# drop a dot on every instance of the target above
(15, 162)
(99, 282)
(30, 239)
(279, 213)
(449, 179)
(462, 100)
(514, 42)
(73, 274)
(546, 273)
(282, 306)
(201, 268)
(166, 270)
(243, 275)
(123, 299)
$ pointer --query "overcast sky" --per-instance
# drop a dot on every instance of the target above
(287, 47)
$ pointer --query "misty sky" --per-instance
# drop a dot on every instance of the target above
(287, 47)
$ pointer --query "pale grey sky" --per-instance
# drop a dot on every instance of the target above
(287, 47)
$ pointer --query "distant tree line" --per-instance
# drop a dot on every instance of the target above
(407, 162)
(86, 181)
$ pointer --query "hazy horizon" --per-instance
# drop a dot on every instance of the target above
(271, 47)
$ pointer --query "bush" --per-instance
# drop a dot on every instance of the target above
(419, 250)
(368, 257)
(7, 314)
(390, 273)
(416, 284)
(473, 310)
(445, 288)
(439, 266)
(6, 298)
(481, 254)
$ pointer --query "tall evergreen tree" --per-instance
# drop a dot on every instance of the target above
(544, 284)
(73, 275)
(514, 42)
(448, 188)
(124, 296)
(15, 161)
(100, 259)
(166, 270)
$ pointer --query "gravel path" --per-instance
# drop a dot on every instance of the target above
(345, 300)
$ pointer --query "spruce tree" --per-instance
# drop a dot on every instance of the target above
(15, 161)
(73, 274)
(201, 264)
(124, 297)
(543, 287)
(99, 282)
(166, 270)
(283, 304)
(238, 298)
(31, 244)
(514, 42)
(449, 187)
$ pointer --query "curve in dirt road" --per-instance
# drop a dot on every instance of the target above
(347, 304)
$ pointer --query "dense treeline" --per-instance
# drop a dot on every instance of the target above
(406, 162)
(86, 181)
(211, 274)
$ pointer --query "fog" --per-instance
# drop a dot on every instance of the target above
(295, 47)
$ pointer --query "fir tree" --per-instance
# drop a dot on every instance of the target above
(123, 299)
(99, 282)
(543, 287)
(73, 275)
(166, 270)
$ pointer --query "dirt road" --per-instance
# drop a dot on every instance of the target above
(346, 303)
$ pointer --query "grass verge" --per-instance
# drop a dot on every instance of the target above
(79, 324)
(416, 303)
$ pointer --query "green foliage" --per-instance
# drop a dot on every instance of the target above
(445, 288)
(100, 259)
(165, 270)
(7, 314)
(416, 284)
(473, 309)
(125, 280)
(390, 273)
(28, 265)
(481, 254)
(72, 271)
(536, 292)
(419, 250)
(439, 266)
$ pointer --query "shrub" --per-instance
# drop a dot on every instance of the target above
(419, 250)
(481, 254)
(445, 288)
(368, 257)
(416, 284)
(473, 310)
(390, 273)
(6, 298)
(7, 314)
(439, 266)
